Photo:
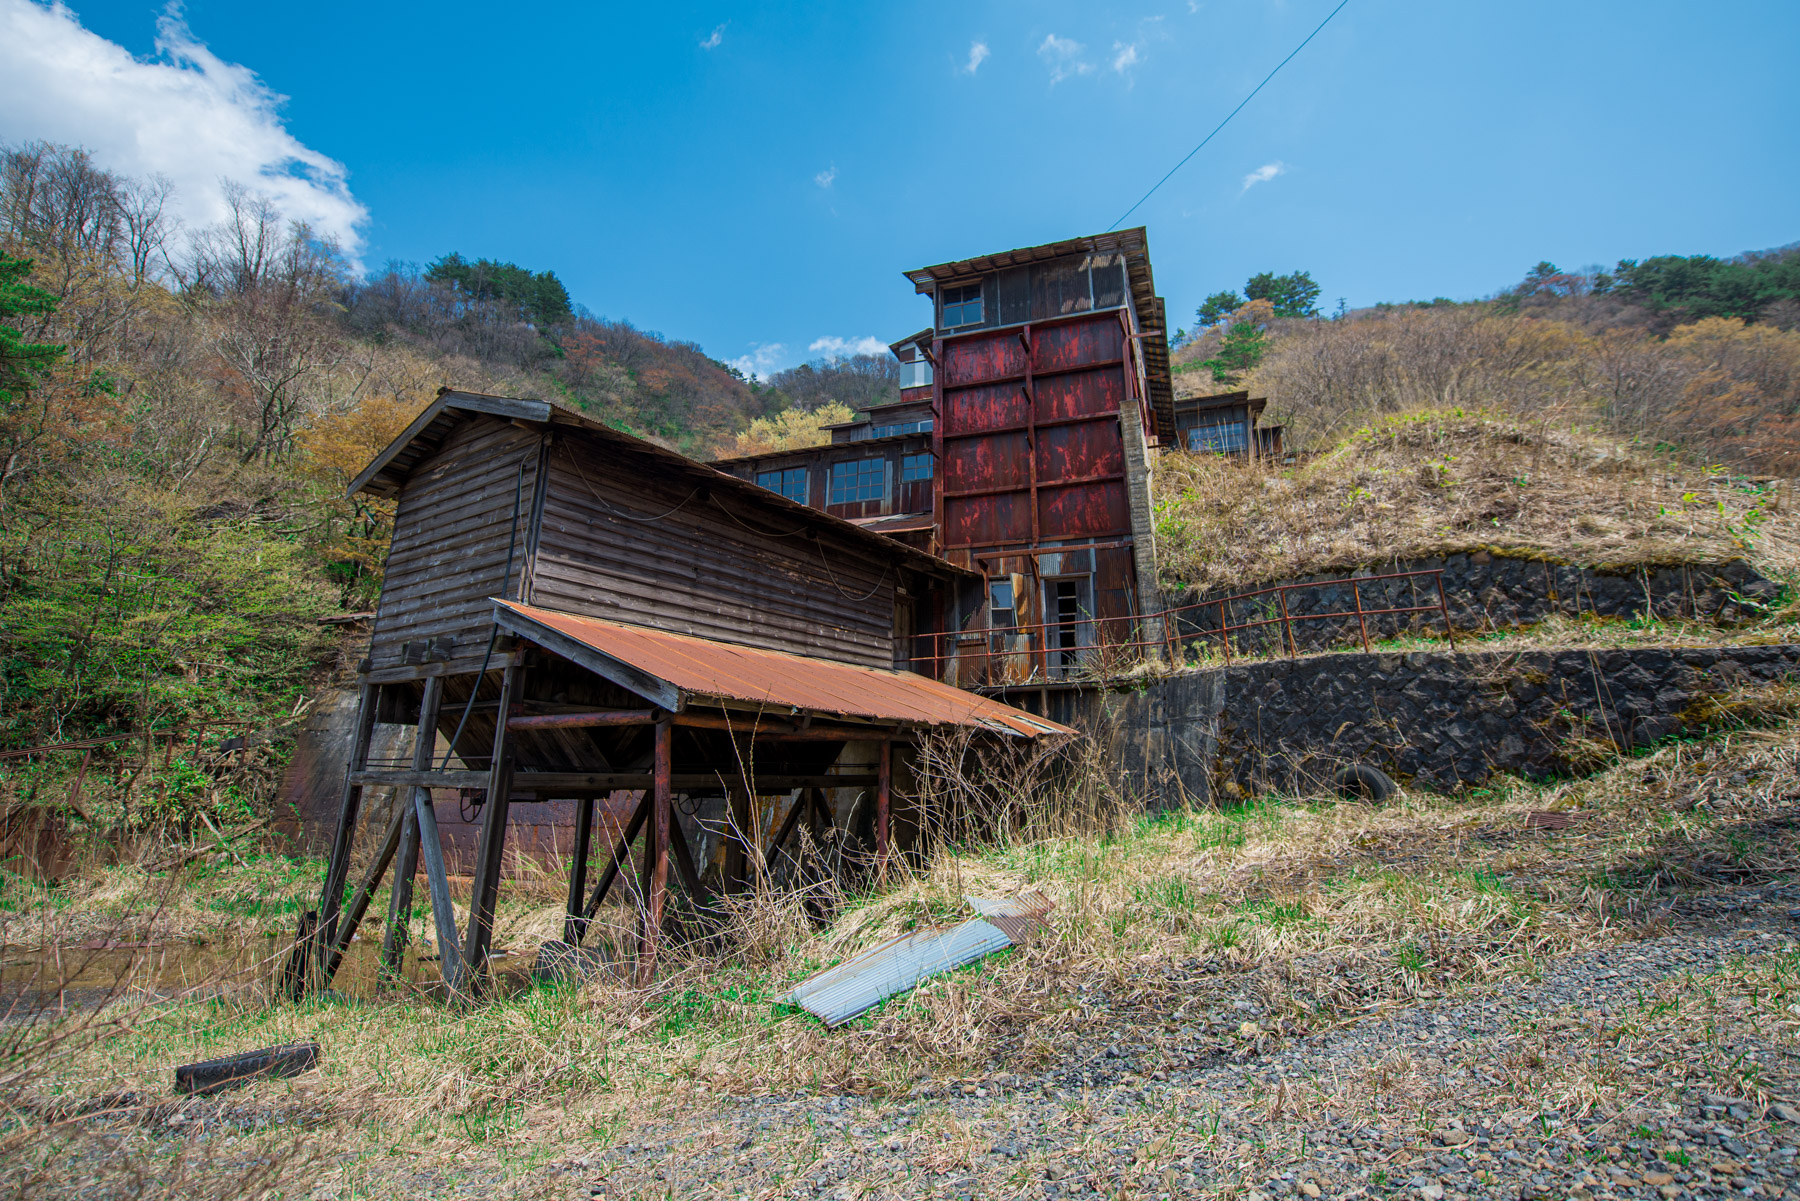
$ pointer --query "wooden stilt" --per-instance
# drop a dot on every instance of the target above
(738, 838)
(574, 925)
(489, 859)
(337, 870)
(365, 892)
(684, 863)
(443, 913)
(656, 859)
(393, 941)
(801, 804)
(884, 771)
(620, 856)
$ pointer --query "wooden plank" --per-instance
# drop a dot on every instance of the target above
(656, 862)
(657, 691)
(620, 857)
(584, 841)
(883, 782)
(393, 942)
(446, 667)
(584, 721)
(394, 778)
(365, 892)
(443, 913)
(684, 863)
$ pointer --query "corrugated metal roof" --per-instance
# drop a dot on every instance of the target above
(705, 670)
(863, 981)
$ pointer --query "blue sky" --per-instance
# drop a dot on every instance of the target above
(756, 179)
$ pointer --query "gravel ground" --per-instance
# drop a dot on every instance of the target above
(1648, 1069)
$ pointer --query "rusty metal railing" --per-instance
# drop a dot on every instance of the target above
(1170, 642)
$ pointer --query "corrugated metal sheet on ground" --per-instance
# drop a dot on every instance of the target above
(706, 669)
(863, 981)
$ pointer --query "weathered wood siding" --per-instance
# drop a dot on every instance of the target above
(450, 539)
(703, 566)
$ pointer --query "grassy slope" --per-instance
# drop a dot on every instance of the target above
(1435, 482)
(1318, 911)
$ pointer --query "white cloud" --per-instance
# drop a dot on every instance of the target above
(1125, 57)
(978, 54)
(1264, 174)
(826, 177)
(186, 114)
(764, 359)
(833, 347)
(1063, 57)
(712, 40)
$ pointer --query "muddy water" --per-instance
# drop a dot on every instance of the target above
(33, 979)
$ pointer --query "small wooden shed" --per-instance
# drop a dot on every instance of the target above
(575, 612)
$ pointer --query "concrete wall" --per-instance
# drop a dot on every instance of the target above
(1439, 719)
(1484, 590)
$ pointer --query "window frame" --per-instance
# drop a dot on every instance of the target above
(907, 463)
(782, 490)
(961, 305)
(859, 475)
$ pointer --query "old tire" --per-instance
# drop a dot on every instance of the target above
(1361, 782)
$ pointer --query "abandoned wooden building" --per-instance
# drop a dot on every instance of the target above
(1226, 423)
(570, 612)
(1019, 449)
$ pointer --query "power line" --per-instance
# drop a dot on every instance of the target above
(1228, 116)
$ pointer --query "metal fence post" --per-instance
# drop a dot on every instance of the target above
(1361, 621)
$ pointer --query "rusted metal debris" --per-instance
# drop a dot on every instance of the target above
(863, 981)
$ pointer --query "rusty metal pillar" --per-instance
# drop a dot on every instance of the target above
(656, 853)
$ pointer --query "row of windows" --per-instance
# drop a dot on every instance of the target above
(859, 479)
(1223, 438)
(922, 426)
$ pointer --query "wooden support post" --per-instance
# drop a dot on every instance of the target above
(794, 813)
(443, 913)
(400, 898)
(620, 856)
(684, 864)
(337, 871)
(573, 922)
(738, 838)
(656, 858)
(884, 770)
(365, 892)
(489, 859)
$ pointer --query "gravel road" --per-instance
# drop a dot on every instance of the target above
(1648, 1069)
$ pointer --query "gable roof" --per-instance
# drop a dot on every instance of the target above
(674, 670)
(387, 473)
(1153, 322)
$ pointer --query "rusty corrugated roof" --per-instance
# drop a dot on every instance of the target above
(704, 670)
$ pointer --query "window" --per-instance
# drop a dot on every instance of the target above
(789, 481)
(962, 306)
(901, 427)
(1067, 601)
(1002, 616)
(914, 467)
(915, 373)
(1224, 437)
(863, 479)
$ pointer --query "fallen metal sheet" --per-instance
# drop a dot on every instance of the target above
(1018, 917)
(863, 981)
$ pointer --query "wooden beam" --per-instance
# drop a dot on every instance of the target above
(489, 859)
(584, 841)
(583, 721)
(883, 782)
(359, 904)
(684, 863)
(393, 941)
(657, 691)
(337, 869)
(577, 782)
(802, 803)
(620, 856)
(443, 667)
(656, 863)
(443, 913)
(422, 778)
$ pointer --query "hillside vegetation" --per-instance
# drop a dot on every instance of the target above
(181, 410)
(1581, 417)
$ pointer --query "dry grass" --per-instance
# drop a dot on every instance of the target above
(1320, 910)
(1440, 481)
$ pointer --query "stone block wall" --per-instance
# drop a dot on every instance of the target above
(1482, 590)
(1437, 719)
